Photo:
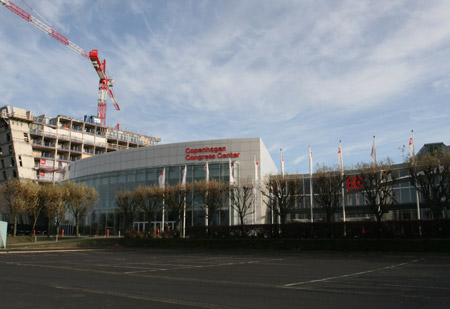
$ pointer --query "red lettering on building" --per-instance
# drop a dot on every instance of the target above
(209, 153)
(206, 149)
(354, 183)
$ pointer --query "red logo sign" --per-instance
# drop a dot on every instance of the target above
(354, 183)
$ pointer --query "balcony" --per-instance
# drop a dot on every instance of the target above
(47, 156)
(74, 149)
(44, 145)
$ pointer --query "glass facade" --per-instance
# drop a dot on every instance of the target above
(104, 217)
(403, 208)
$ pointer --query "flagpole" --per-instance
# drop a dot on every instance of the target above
(413, 158)
(231, 178)
(411, 146)
(311, 184)
(207, 181)
(373, 154)
(285, 189)
(183, 183)
(254, 203)
(229, 206)
(184, 216)
(192, 199)
(341, 167)
(254, 191)
(163, 213)
(162, 185)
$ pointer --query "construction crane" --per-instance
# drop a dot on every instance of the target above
(105, 84)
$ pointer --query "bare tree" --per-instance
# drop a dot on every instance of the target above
(213, 194)
(148, 199)
(33, 202)
(81, 199)
(430, 175)
(377, 182)
(13, 192)
(282, 195)
(126, 207)
(327, 183)
(175, 198)
(55, 196)
(242, 198)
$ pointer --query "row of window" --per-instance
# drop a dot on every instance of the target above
(108, 184)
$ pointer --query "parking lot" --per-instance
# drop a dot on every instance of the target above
(117, 278)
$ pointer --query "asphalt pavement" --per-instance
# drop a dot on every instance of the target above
(122, 278)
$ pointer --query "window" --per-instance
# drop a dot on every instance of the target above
(8, 137)
(25, 137)
(20, 161)
(12, 162)
(3, 163)
(14, 174)
(10, 149)
(4, 175)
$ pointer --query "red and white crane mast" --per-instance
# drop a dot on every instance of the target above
(105, 83)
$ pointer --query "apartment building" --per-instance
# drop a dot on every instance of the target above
(39, 147)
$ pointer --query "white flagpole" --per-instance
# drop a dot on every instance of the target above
(310, 183)
(256, 184)
(341, 167)
(207, 181)
(413, 157)
(230, 168)
(207, 172)
(162, 185)
(183, 184)
(411, 145)
(373, 154)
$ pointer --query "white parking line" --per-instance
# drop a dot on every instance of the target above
(171, 301)
(292, 285)
(46, 251)
(193, 266)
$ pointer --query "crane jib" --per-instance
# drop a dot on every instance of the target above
(17, 10)
(59, 37)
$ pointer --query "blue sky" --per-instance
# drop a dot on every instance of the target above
(295, 73)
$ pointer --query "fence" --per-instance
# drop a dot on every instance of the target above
(363, 229)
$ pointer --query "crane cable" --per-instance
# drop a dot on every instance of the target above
(36, 12)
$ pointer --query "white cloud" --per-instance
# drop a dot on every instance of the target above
(300, 159)
(294, 73)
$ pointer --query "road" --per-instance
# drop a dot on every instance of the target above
(118, 278)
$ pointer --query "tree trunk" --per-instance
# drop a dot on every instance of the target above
(329, 215)
(437, 211)
(34, 223)
(149, 223)
(48, 228)
(15, 226)
(77, 225)
(241, 217)
(210, 218)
